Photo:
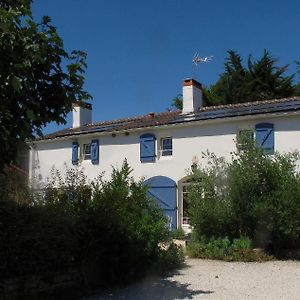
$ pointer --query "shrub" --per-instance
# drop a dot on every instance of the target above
(118, 227)
(14, 185)
(265, 196)
(210, 209)
(223, 249)
(34, 239)
(169, 259)
(178, 234)
(109, 231)
(256, 195)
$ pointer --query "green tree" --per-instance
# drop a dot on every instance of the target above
(177, 102)
(260, 80)
(39, 80)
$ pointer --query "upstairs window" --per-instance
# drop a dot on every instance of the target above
(147, 148)
(264, 136)
(86, 151)
(166, 146)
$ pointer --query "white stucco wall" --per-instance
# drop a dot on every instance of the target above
(189, 140)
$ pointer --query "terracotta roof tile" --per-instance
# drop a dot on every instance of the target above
(172, 117)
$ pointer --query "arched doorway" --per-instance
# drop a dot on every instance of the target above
(163, 190)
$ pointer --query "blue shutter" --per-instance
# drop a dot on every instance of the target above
(147, 148)
(74, 153)
(95, 152)
(264, 135)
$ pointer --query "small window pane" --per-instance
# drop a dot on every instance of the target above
(166, 146)
(86, 151)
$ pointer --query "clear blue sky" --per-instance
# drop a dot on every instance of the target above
(139, 51)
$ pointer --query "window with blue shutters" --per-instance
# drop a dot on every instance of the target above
(74, 153)
(95, 152)
(264, 136)
(147, 148)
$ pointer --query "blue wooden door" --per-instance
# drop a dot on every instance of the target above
(163, 190)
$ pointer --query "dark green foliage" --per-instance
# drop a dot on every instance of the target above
(222, 248)
(177, 102)
(14, 185)
(265, 194)
(124, 229)
(34, 239)
(178, 234)
(262, 79)
(35, 87)
(210, 208)
(170, 259)
(256, 195)
(109, 231)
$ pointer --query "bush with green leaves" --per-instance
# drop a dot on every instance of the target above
(255, 195)
(178, 234)
(34, 240)
(224, 249)
(108, 229)
(210, 209)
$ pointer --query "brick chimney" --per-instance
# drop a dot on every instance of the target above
(192, 95)
(82, 115)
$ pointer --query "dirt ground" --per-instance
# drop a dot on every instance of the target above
(210, 279)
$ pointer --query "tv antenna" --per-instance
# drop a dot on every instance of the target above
(197, 59)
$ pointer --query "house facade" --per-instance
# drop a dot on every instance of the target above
(162, 147)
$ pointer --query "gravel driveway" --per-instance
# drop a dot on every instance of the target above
(210, 279)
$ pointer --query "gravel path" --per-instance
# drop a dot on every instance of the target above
(209, 279)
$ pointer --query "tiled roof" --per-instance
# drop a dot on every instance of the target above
(173, 117)
(149, 120)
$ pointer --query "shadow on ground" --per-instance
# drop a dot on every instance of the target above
(151, 288)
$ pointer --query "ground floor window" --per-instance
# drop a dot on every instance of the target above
(185, 204)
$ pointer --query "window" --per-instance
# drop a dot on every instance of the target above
(86, 151)
(185, 204)
(166, 146)
(244, 137)
(264, 136)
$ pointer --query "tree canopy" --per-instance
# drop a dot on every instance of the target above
(39, 79)
(260, 79)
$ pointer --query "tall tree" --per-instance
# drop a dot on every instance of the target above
(177, 102)
(262, 79)
(39, 80)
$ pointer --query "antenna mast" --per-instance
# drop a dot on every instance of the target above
(197, 60)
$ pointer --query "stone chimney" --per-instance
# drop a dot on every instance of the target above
(82, 115)
(192, 96)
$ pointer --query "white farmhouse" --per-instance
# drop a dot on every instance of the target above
(161, 147)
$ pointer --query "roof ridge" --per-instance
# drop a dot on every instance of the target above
(249, 103)
(140, 117)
